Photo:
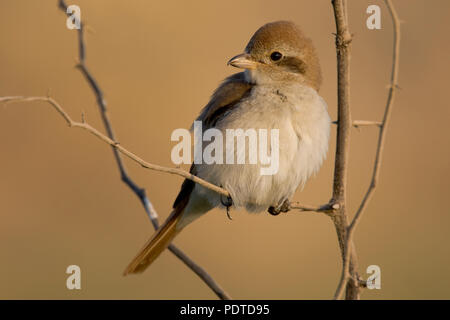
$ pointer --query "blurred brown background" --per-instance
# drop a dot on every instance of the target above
(62, 202)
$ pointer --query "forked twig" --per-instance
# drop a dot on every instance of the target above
(345, 275)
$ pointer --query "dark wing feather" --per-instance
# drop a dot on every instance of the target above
(231, 91)
(186, 189)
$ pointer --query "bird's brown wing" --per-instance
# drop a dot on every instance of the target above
(227, 95)
(232, 90)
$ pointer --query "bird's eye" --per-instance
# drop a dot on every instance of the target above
(275, 56)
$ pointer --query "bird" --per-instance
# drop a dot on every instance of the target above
(276, 89)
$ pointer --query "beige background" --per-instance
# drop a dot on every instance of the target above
(62, 203)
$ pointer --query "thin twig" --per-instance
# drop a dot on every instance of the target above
(326, 208)
(86, 126)
(140, 192)
(362, 123)
(366, 123)
(380, 147)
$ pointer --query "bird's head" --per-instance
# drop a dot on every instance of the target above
(279, 52)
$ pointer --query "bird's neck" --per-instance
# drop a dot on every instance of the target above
(261, 78)
(282, 84)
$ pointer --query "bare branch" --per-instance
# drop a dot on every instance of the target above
(380, 147)
(326, 208)
(340, 218)
(140, 192)
(116, 145)
(362, 123)
(366, 123)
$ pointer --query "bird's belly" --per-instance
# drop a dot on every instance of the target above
(250, 189)
(255, 191)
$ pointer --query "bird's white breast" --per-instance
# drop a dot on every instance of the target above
(301, 116)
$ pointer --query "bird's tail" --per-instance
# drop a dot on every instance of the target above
(157, 243)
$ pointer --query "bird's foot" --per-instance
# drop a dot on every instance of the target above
(284, 207)
(227, 203)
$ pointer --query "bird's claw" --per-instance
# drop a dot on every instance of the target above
(228, 202)
(284, 207)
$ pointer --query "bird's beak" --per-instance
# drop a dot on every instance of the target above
(243, 61)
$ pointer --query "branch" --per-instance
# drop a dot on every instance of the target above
(363, 123)
(328, 208)
(380, 147)
(116, 146)
(140, 192)
(340, 220)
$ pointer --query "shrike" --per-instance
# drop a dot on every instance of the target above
(278, 89)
